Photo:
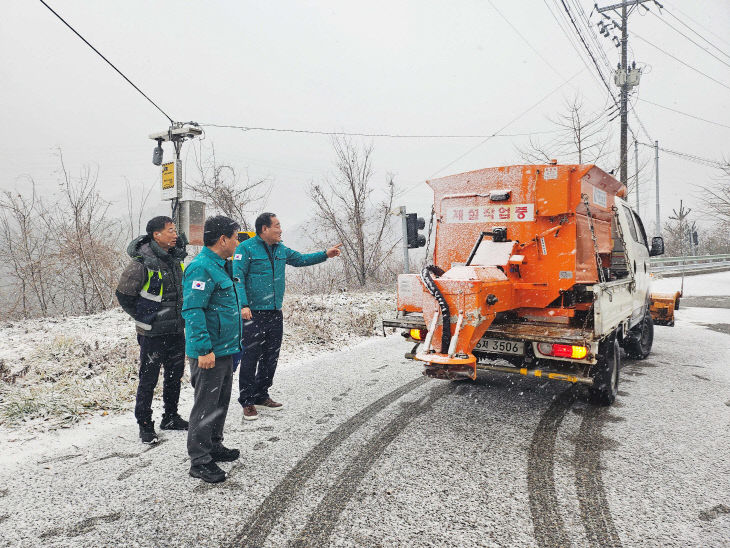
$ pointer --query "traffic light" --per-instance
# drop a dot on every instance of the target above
(414, 223)
(695, 238)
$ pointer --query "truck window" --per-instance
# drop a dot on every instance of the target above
(642, 232)
(630, 222)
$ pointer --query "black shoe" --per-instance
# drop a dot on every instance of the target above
(147, 432)
(173, 422)
(209, 472)
(223, 454)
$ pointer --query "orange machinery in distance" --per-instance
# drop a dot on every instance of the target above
(514, 239)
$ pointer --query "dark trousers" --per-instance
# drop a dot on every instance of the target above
(261, 344)
(167, 352)
(208, 416)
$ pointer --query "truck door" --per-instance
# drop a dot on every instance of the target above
(643, 251)
(639, 256)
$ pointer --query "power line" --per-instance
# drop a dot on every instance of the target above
(685, 114)
(682, 62)
(592, 34)
(535, 50)
(633, 111)
(690, 157)
(355, 134)
(577, 48)
(108, 61)
(697, 33)
(690, 39)
(495, 134)
(588, 50)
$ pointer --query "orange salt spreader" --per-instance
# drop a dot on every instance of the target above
(513, 242)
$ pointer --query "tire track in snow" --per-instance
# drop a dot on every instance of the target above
(257, 529)
(548, 527)
(324, 519)
(594, 509)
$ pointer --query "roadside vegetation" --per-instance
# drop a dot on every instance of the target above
(56, 372)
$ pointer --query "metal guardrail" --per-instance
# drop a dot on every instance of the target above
(690, 264)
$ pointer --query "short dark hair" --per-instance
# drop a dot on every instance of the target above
(158, 223)
(218, 226)
(264, 220)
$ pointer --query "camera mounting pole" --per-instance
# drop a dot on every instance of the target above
(177, 134)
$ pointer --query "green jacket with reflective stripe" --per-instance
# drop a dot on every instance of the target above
(211, 308)
(260, 269)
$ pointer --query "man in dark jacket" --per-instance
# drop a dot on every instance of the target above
(150, 290)
(212, 315)
(259, 264)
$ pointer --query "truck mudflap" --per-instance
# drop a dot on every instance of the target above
(662, 307)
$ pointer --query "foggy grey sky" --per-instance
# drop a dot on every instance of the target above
(417, 67)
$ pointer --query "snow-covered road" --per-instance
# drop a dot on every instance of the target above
(367, 452)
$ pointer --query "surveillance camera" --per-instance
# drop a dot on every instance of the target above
(157, 155)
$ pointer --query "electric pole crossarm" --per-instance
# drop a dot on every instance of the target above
(627, 3)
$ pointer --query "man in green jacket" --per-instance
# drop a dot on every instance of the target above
(259, 265)
(212, 314)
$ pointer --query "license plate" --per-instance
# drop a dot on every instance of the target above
(500, 346)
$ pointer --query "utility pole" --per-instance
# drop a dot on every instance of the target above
(624, 77)
(412, 238)
(656, 172)
(404, 218)
(636, 181)
(624, 93)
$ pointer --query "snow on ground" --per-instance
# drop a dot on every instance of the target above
(715, 284)
(56, 371)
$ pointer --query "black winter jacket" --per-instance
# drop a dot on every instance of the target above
(165, 272)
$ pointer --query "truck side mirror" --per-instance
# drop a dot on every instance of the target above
(657, 246)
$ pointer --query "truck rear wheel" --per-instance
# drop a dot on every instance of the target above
(641, 338)
(606, 372)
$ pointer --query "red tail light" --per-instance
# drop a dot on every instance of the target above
(563, 350)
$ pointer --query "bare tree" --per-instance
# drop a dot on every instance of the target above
(717, 196)
(89, 242)
(220, 186)
(136, 203)
(714, 240)
(24, 252)
(346, 212)
(583, 137)
(62, 254)
(677, 232)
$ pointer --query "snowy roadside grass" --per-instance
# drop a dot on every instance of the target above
(56, 371)
(319, 323)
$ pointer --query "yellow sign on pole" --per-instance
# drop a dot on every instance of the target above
(168, 175)
(170, 180)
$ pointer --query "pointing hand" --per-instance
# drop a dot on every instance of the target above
(334, 251)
